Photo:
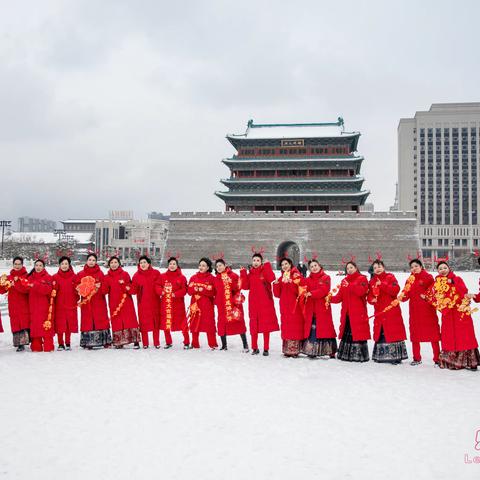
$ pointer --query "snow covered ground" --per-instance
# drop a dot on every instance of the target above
(227, 415)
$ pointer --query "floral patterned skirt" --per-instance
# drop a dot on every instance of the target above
(124, 337)
(22, 337)
(95, 338)
(393, 352)
(291, 348)
(458, 360)
(350, 351)
(318, 347)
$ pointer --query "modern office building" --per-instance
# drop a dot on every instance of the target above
(438, 164)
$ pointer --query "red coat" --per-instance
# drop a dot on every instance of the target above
(18, 307)
(172, 288)
(477, 296)
(318, 284)
(228, 299)
(94, 314)
(148, 302)
(202, 313)
(391, 321)
(39, 301)
(353, 297)
(457, 332)
(118, 284)
(261, 309)
(423, 316)
(286, 288)
(66, 302)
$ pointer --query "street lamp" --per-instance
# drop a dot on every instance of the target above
(3, 224)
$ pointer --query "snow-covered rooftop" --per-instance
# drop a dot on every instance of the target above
(294, 130)
(46, 237)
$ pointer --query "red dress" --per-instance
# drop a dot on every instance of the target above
(318, 284)
(423, 316)
(125, 317)
(352, 295)
(229, 302)
(39, 301)
(66, 302)
(391, 321)
(172, 287)
(94, 315)
(148, 301)
(202, 313)
(261, 309)
(457, 333)
(287, 289)
(18, 305)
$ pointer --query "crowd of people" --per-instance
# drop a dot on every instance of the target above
(42, 306)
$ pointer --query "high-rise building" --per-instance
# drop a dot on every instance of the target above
(438, 164)
(29, 224)
(294, 167)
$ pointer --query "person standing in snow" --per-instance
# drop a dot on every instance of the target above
(15, 285)
(66, 303)
(459, 344)
(201, 287)
(354, 326)
(42, 330)
(95, 324)
(148, 302)
(118, 286)
(261, 309)
(229, 301)
(290, 289)
(388, 328)
(319, 331)
(171, 286)
(423, 318)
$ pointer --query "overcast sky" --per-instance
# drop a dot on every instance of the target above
(117, 104)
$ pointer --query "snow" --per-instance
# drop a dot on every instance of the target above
(228, 415)
(47, 237)
(295, 131)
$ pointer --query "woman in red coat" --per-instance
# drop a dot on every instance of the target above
(422, 315)
(66, 303)
(459, 344)
(16, 286)
(319, 332)
(40, 300)
(354, 326)
(289, 288)
(229, 301)
(95, 324)
(171, 286)
(201, 287)
(122, 311)
(261, 309)
(148, 302)
(388, 328)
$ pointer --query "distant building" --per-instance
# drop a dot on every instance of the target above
(438, 162)
(79, 225)
(306, 167)
(29, 224)
(158, 216)
(132, 238)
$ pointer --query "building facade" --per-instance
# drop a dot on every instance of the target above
(438, 163)
(294, 167)
(29, 224)
(131, 238)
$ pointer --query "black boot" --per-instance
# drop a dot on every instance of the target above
(61, 347)
(67, 347)
(223, 338)
(255, 351)
(265, 353)
(136, 345)
(21, 348)
(243, 336)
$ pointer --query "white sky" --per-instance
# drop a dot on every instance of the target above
(117, 104)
